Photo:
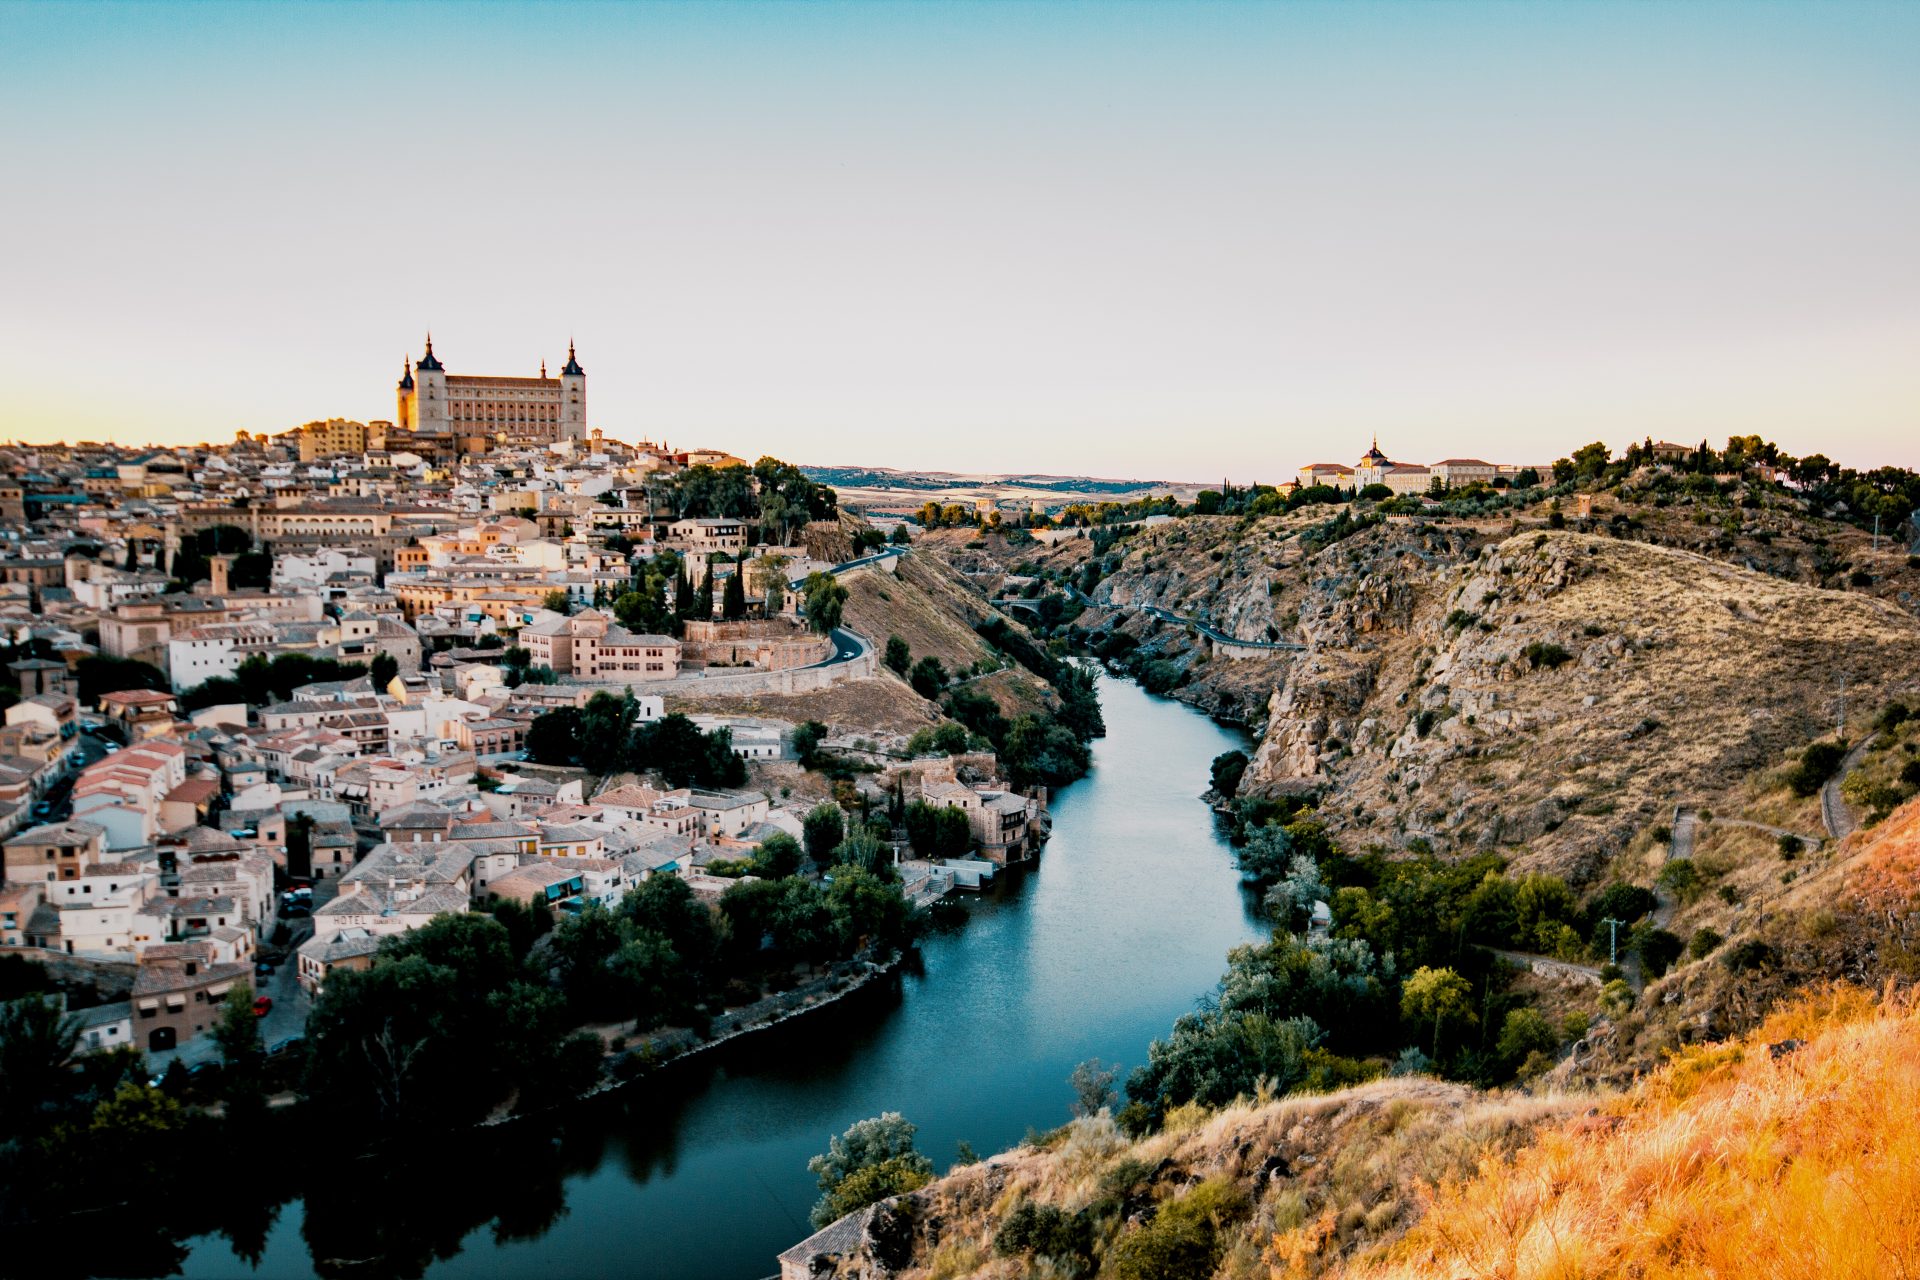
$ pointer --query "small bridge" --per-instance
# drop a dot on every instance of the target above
(1230, 645)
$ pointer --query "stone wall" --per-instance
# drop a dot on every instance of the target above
(772, 644)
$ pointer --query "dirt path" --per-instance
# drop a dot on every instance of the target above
(1806, 841)
(1839, 816)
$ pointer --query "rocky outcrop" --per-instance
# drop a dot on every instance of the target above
(1548, 694)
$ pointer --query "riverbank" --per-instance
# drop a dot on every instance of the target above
(677, 1044)
(1091, 952)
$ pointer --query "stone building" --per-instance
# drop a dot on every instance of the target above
(522, 411)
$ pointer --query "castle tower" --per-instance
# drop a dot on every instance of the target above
(429, 395)
(218, 568)
(404, 394)
(573, 398)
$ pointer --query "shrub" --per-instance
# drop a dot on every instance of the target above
(1703, 943)
(1043, 1231)
(1657, 948)
(1819, 762)
(1545, 654)
(1750, 955)
(1184, 1238)
(1680, 878)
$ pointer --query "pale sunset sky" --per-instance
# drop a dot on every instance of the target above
(1177, 241)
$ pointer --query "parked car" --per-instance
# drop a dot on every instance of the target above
(279, 1047)
(262, 970)
(262, 1006)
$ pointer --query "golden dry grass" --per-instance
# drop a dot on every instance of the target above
(1729, 1162)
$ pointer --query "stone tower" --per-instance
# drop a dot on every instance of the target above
(573, 398)
(423, 395)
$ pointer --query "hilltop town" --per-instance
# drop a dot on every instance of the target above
(273, 703)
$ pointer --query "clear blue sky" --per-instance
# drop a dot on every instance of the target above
(1166, 240)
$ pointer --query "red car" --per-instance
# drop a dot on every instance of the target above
(262, 1005)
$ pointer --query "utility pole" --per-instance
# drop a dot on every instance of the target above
(1876, 532)
(1613, 939)
(1840, 725)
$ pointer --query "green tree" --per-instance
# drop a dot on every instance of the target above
(665, 904)
(37, 1042)
(823, 600)
(862, 849)
(1437, 997)
(300, 847)
(99, 674)
(554, 737)
(558, 601)
(807, 737)
(383, 670)
(823, 827)
(1525, 1032)
(872, 1160)
(1268, 855)
(868, 911)
(215, 692)
(1226, 771)
(899, 657)
(1092, 1084)
(928, 677)
(733, 599)
(778, 856)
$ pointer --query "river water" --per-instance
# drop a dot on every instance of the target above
(700, 1172)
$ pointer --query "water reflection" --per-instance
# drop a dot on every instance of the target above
(700, 1171)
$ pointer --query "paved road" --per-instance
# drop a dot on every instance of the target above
(847, 645)
(1839, 816)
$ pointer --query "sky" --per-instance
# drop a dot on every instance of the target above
(1176, 241)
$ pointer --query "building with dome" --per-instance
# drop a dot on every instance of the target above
(436, 404)
(1374, 467)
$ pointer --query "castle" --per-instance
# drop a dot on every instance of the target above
(514, 411)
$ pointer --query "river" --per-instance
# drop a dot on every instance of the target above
(700, 1172)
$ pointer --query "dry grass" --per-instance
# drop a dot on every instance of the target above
(882, 705)
(1685, 677)
(926, 604)
(1729, 1162)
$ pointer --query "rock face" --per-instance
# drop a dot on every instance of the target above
(1547, 693)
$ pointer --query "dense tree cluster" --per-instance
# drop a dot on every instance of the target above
(776, 496)
(608, 736)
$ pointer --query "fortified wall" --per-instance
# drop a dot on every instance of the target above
(770, 644)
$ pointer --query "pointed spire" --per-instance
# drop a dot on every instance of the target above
(543, 368)
(429, 360)
(573, 362)
(406, 374)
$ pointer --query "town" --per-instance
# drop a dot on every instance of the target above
(271, 703)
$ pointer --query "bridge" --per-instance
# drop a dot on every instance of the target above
(1220, 638)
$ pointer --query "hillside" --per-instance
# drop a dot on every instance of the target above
(1549, 693)
(1773, 1155)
